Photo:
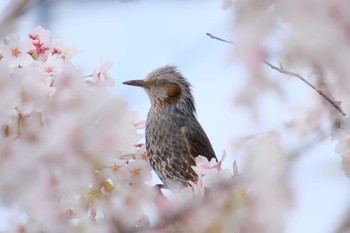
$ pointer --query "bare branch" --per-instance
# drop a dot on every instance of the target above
(320, 92)
(11, 12)
(290, 73)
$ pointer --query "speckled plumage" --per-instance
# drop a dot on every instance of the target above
(174, 136)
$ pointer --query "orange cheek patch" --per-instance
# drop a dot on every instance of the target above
(173, 93)
(173, 90)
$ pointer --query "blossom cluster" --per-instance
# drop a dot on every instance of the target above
(71, 161)
(67, 144)
(307, 41)
(310, 38)
(70, 153)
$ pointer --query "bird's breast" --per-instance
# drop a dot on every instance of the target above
(168, 153)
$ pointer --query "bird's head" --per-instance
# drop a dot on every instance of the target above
(166, 86)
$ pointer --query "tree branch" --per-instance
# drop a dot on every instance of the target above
(10, 13)
(290, 73)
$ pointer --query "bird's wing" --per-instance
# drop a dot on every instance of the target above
(197, 140)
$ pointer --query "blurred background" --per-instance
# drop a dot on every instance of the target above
(139, 36)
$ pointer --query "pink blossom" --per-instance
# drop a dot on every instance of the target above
(101, 77)
(53, 64)
(16, 52)
(116, 170)
(203, 162)
(139, 171)
(41, 41)
(210, 172)
(40, 34)
(65, 52)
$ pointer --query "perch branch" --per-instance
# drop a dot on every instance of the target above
(290, 73)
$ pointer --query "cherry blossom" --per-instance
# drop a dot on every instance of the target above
(41, 41)
(53, 65)
(66, 52)
(210, 172)
(40, 34)
(16, 52)
(57, 139)
(101, 77)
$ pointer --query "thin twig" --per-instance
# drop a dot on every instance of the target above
(218, 38)
(290, 73)
(320, 92)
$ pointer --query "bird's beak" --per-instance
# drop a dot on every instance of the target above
(139, 83)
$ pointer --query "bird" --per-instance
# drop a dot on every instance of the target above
(174, 137)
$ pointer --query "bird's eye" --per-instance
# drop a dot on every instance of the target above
(162, 82)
